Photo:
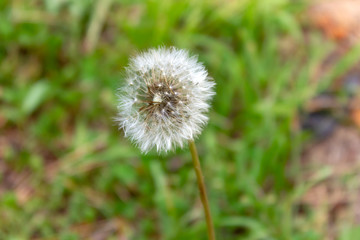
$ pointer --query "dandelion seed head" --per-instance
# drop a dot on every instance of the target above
(165, 100)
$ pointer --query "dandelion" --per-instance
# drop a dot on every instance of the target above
(163, 105)
(165, 99)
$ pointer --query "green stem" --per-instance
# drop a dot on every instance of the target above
(201, 185)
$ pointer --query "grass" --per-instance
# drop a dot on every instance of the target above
(67, 172)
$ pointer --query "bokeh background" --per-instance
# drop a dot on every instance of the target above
(280, 154)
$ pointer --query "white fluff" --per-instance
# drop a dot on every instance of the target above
(165, 99)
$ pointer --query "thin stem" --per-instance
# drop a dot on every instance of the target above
(96, 23)
(201, 185)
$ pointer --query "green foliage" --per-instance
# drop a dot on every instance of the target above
(72, 169)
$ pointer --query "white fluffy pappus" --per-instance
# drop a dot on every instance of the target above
(165, 99)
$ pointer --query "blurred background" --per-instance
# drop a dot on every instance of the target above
(281, 153)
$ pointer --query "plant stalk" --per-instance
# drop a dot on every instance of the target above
(201, 185)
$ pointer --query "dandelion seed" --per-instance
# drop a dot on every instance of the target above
(172, 92)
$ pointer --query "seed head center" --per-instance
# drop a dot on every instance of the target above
(157, 98)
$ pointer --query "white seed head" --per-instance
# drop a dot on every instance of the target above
(172, 92)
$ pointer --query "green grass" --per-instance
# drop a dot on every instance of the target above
(65, 169)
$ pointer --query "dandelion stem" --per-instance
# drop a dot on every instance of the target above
(201, 185)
